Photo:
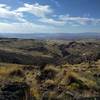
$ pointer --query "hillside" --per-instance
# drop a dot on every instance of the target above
(49, 69)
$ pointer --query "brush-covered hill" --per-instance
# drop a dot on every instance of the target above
(49, 69)
(38, 52)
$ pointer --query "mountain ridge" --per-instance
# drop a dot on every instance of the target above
(59, 36)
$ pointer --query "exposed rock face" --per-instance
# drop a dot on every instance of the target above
(15, 91)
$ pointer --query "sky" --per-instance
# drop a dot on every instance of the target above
(49, 16)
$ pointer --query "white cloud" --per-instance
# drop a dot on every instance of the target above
(79, 20)
(44, 23)
(62, 20)
(26, 27)
(7, 13)
(36, 9)
(4, 6)
(52, 21)
(56, 3)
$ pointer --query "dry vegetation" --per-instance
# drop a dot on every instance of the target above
(58, 71)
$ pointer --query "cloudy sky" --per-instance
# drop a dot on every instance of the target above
(49, 16)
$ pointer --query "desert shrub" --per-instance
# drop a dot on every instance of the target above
(15, 91)
(76, 84)
(50, 84)
(48, 73)
(18, 73)
(28, 68)
(71, 59)
(64, 50)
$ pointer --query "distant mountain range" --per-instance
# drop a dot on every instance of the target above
(59, 36)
